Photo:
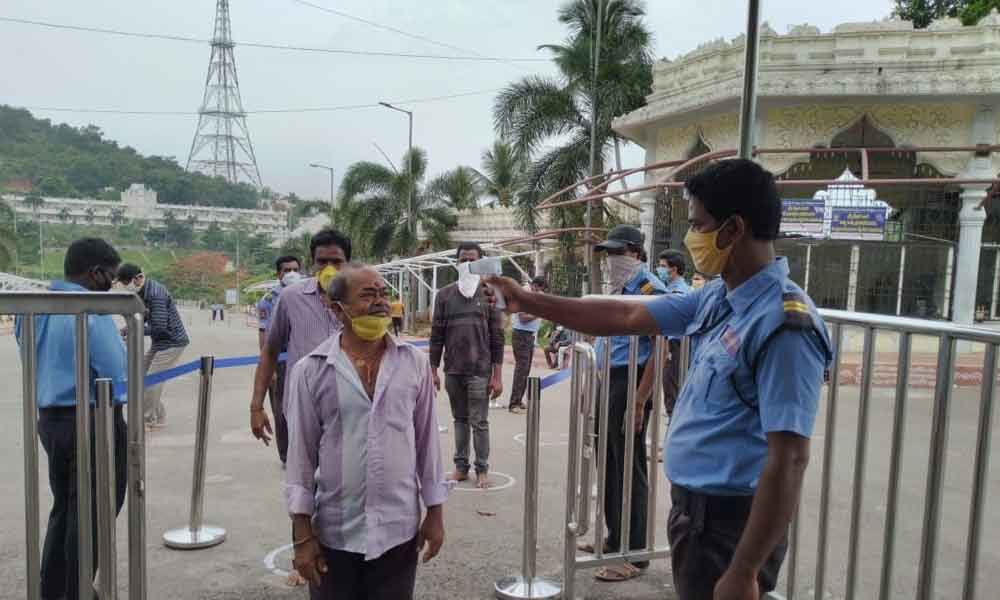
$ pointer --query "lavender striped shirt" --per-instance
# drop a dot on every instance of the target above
(300, 322)
(361, 468)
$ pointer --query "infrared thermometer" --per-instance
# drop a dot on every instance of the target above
(491, 267)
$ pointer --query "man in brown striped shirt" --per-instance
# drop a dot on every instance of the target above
(469, 333)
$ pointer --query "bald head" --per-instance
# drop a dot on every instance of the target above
(360, 289)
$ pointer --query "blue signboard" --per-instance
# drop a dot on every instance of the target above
(858, 223)
(802, 216)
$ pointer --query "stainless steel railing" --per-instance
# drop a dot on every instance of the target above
(82, 304)
(588, 440)
(589, 397)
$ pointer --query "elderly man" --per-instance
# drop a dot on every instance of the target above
(363, 453)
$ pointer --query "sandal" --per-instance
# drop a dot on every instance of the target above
(617, 573)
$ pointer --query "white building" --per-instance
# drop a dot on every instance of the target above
(138, 203)
(927, 104)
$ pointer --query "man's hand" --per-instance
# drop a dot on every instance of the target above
(431, 533)
(260, 425)
(511, 290)
(437, 380)
(496, 386)
(737, 585)
(310, 562)
(640, 414)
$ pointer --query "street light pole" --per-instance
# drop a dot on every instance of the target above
(330, 169)
(409, 168)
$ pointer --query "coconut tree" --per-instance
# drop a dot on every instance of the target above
(384, 217)
(459, 188)
(549, 119)
(502, 172)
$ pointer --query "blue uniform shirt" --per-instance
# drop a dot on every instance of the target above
(55, 345)
(678, 286)
(644, 283)
(265, 307)
(758, 358)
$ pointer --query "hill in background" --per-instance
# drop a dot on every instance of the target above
(64, 161)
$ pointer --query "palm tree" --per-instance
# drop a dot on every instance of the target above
(542, 111)
(502, 172)
(459, 188)
(378, 208)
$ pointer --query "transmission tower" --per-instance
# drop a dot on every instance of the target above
(221, 144)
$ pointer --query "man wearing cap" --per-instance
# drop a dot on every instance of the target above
(301, 321)
(524, 330)
(627, 275)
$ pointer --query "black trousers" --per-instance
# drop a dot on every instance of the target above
(703, 532)
(397, 325)
(60, 559)
(350, 577)
(276, 393)
(524, 352)
(671, 376)
(615, 470)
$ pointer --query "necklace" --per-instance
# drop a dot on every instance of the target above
(367, 365)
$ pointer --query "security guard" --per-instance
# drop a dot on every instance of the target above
(738, 445)
(287, 269)
(629, 276)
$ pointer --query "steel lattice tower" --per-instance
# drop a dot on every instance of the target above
(221, 144)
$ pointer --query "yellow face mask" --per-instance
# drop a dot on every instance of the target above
(325, 276)
(369, 328)
(708, 258)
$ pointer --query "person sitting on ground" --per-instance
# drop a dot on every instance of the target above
(559, 342)
(357, 527)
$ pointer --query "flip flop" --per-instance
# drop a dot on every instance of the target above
(617, 573)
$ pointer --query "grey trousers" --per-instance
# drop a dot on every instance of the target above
(469, 407)
(152, 403)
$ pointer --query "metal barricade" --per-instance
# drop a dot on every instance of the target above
(527, 585)
(948, 336)
(195, 535)
(588, 439)
(82, 304)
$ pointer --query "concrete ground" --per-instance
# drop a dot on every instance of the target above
(483, 543)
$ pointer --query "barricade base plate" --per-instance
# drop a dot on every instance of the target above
(184, 538)
(518, 588)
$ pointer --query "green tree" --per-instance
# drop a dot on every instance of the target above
(383, 194)
(117, 216)
(64, 214)
(459, 188)
(549, 119)
(502, 172)
(924, 12)
(8, 238)
(90, 214)
(213, 238)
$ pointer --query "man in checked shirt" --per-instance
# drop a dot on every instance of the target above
(363, 454)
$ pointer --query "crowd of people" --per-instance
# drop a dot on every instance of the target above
(353, 411)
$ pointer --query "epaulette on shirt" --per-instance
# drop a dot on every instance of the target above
(797, 313)
(647, 289)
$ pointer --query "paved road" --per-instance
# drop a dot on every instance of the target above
(244, 494)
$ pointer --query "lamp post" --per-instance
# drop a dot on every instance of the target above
(409, 152)
(330, 169)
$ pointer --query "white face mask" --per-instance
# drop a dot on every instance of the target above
(621, 269)
(468, 282)
(291, 278)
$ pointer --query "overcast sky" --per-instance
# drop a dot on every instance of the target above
(49, 68)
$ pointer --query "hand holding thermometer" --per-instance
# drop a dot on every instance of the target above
(490, 266)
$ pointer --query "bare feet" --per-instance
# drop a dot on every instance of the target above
(295, 580)
(482, 481)
(458, 476)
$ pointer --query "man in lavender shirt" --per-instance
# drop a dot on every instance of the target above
(363, 455)
(300, 322)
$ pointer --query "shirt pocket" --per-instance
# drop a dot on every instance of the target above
(397, 407)
(720, 375)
